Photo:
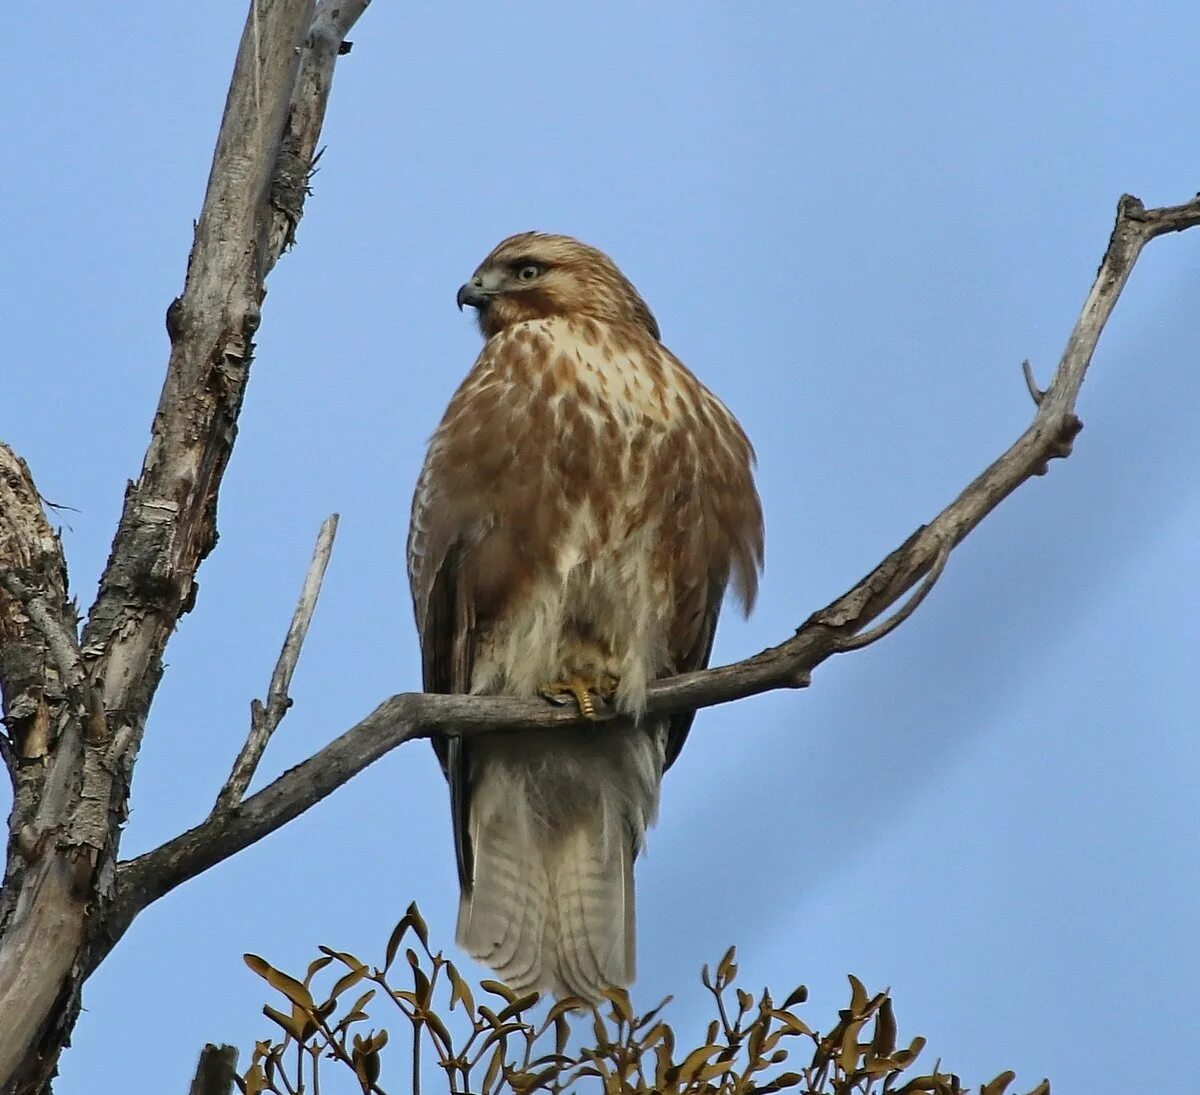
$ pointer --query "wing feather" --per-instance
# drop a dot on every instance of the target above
(447, 659)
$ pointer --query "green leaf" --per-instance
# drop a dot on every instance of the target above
(848, 1056)
(522, 1003)
(347, 981)
(799, 995)
(663, 1068)
(563, 1006)
(562, 1032)
(394, 941)
(619, 998)
(727, 967)
(493, 1069)
(717, 1068)
(421, 985)
(905, 1057)
(315, 966)
(255, 1081)
(997, 1086)
(793, 1025)
(418, 924)
(653, 1036)
(885, 1031)
(277, 979)
(438, 1029)
(786, 1079)
(289, 1025)
(691, 1065)
(499, 1034)
(858, 995)
(498, 988)
(459, 989)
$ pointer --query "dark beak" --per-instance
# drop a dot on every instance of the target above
(473, 294)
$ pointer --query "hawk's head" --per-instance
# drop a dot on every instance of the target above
(533, 275)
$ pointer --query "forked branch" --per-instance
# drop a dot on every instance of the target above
(80, 706)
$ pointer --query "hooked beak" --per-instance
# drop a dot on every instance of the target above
(473, 293)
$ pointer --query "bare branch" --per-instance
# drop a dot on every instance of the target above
(33, 574)
(866, 638)
(38, 661)
(215, 1070)
(265, 717)
(326, 40)
(833, 629)
(50, 914)
(61, 641)
(1035, 393)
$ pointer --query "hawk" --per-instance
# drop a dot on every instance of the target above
(584, 503)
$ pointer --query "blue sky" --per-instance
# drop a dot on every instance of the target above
(853, 221)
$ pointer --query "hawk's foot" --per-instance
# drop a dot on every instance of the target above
(582, 689)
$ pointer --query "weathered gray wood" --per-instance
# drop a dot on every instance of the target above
(266, 716)
(42, 908)
(214, 1071)
(65, 826)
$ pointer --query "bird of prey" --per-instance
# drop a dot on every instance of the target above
(584, 503)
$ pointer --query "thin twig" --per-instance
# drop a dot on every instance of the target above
(866, 638)
(1035, 393)
(265, 717)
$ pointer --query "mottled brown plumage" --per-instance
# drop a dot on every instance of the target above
(583, 505)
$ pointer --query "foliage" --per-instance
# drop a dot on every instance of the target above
(499, 1047)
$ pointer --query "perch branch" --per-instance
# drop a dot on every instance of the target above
(265, 717)
(788, 665)
(874, 634)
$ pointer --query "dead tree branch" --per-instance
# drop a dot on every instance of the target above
(837, 628)
(39, 659)
(215, 1071)
(60, 873)
(265, 717)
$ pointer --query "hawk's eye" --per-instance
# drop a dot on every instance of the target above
(529, 271)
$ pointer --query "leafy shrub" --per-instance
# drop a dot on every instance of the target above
(751, 1047)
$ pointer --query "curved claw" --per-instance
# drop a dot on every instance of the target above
(581, 689)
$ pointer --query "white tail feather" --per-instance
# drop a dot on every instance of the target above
(552, 904)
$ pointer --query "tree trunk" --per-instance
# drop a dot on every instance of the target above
(76, 708)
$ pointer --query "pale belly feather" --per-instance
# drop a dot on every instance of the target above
(597, 610)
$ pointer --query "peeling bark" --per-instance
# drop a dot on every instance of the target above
(75, 708)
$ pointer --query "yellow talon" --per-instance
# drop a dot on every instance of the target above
(582, 689)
